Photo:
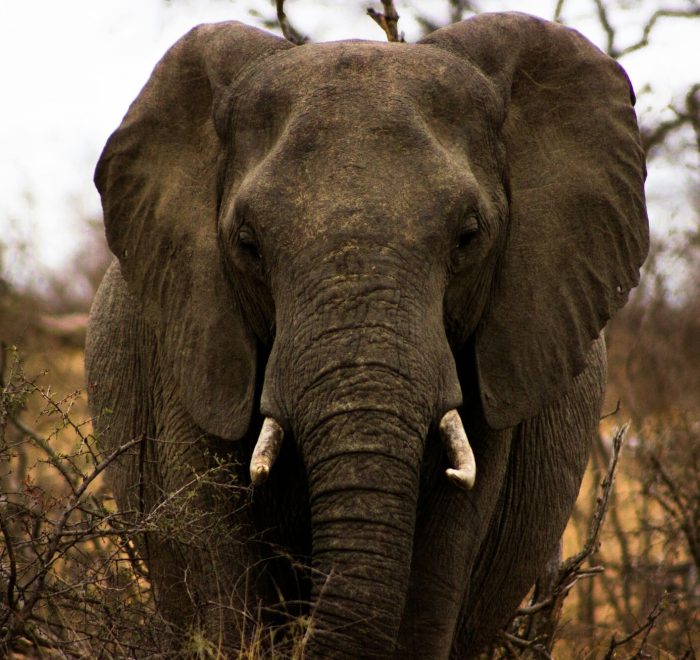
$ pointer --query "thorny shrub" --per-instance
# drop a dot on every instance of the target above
(72, 583)
(69, 577)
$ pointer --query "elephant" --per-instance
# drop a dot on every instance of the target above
(368, 281)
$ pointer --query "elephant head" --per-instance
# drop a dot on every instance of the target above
(354, 229)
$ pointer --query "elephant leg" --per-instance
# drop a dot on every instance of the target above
(449, 526)
(547, 460)
(198, 525)
(176, 488)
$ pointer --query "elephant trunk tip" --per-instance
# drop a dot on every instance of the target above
(266, 451)
(459, 451)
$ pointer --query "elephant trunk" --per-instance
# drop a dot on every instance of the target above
(363, 487)
(359, 372)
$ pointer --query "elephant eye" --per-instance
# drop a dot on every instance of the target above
(464, 239)
(467, 232)
(248, 242)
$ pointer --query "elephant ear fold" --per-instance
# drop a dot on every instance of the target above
(578, 231)
(158, 180)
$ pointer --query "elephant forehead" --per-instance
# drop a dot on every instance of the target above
(356, 131)
(368, 71)
(339, 90)
(365, 185)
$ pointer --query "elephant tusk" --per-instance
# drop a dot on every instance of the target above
(459, 452)
(266, 450)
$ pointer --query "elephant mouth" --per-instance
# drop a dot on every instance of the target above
(462, 470)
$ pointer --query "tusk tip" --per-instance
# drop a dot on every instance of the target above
(259, 474)
(461, 478)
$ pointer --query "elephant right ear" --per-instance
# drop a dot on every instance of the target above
(158, 180)
(577, 230)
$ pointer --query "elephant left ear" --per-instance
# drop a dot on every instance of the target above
(158, 177)
(578, 232)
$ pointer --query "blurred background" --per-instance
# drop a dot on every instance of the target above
(69, 71)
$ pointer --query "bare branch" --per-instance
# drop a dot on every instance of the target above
(55, 538)
(388, 20)
(54, 458)
(574, 563)
(12, 579)
(613, 412)
(288, 30)
(533, 646)
(458, 8)
(611, 31)
(607, 28)
(536, 623)
(558, 11)
(646, 33)
(689, 115)
(644, 628)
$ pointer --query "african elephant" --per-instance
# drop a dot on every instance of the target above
(348, 267)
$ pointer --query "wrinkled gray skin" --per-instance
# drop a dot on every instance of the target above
(354, 238)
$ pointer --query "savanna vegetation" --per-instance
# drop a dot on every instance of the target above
(626, 582)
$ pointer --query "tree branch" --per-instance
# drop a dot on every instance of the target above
(574, 563)
(689, 115)
(607, 28)
(611, 31)
(54, 458)
(536, 623)
(388, 20)
(12, 579)
(288, 30)
(558, 11)
(644, 628)
(55, 538)
(649, 26)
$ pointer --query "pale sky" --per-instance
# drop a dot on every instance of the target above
(70, 68)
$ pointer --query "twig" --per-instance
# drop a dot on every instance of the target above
(611, 31)
(660, 13)
(538, 636)
(690, 114)
(644, 628)
(682, 513)
(528, 610)
(460, 7)
(55, 538)
(388, 20)
(289, 32)
(12, 579)
(676, 497)
(558, 11)
(622, 540)
(534, 645)
(607, 27)
(54, 458)
(614, 412)
(574, 563)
